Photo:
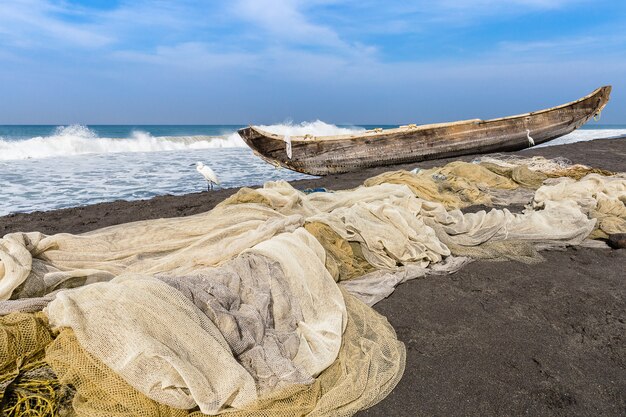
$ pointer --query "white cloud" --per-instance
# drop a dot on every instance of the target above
(499, 4)
(286, 21)
(27, 23)
(190, 56)
(400, 16)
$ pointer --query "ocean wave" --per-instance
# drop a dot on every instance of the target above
(584, 135)
(316, 128)
(80, 140)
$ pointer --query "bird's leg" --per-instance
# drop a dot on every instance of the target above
(208, 186)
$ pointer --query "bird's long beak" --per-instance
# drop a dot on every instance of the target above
(191, 165)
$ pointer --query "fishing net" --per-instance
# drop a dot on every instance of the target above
(456, 185)
(100, 392)
(66, 261)
(369, 364)
(377, 285)
(287, 330)
(266, 283)
(35, 391)
(26, 305)
(344, 260)
(521, 174)
(22, 337)
(247, 195)
(493, 250)
(27, 385)
(552, 168)
(477, 174)
(611, 215)
(383, 225)
(600, 197)
(15, 261)
(154, 338)
(422, 186)
(390, 232)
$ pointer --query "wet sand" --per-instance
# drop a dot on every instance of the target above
(496, 338)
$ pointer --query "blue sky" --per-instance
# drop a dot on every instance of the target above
(267, 61)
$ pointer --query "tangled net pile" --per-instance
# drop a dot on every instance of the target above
(261, 306)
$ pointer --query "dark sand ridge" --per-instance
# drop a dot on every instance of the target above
(496, 338)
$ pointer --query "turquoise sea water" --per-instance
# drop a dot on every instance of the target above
(20, 132)
(50, 167)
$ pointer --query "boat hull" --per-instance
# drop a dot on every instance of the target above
(337, 154)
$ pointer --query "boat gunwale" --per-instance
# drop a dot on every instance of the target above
(417, 128)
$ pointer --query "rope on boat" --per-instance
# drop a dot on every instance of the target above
(531, 141)
(287, 140)
(596, 117)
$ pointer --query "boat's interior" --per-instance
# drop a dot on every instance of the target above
(414, 127)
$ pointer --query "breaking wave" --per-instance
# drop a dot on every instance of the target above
(79, 140)
(316, 128)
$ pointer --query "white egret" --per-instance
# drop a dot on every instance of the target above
(208, 175)
(531, 141)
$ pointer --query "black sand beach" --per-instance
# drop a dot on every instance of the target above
(496, 338)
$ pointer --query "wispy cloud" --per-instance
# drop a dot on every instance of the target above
(28, 23)
(482, 5)
(193, 56)
(422, 16)
(286, 21)
(553, 46)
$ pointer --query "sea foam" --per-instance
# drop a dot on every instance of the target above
(584, 135)
(316, 128)
(80, 140)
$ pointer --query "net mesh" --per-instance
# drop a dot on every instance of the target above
(100, 392)
(28, 387)
(552, 168)
(370, 363)
(22, 337)
(343, 260)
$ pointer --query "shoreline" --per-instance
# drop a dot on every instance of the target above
(494, 338)
(82, 219)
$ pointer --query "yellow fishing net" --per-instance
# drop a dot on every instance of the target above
(423, 186)
(247, 195)
(551, 168)
(22, 337)
(343, 260)
(476, 174)
(521, 174)
(28, 387)
(100, 392)
(455, 185)
(611, 215)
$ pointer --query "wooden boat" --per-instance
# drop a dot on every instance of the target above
(334, 154)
